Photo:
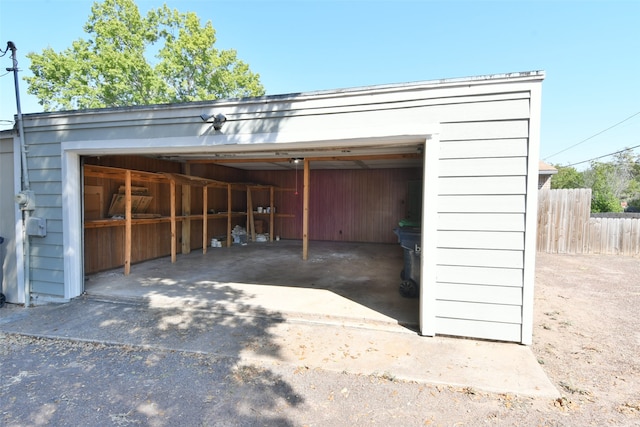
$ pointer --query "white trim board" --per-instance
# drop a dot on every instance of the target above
(71, 173)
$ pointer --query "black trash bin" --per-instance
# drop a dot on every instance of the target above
(410, 239)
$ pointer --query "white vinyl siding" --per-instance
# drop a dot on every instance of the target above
(480, 294)
(483, 167)
(481, 221)
(480, 184)
(516, 147)
(482, 204)
(485, 130)
(480, 257)
(506, 331)
(481, 239)
(479, 275)
(486, 312)
(9, 276)
(47, 268)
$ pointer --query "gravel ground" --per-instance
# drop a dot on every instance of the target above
(586, 336)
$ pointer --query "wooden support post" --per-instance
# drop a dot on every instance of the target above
(251, 220)
(305, 212)
(174, 239)
(248, 209)
(228, 215)
(186, 221)
(186, 212)
(127, 223)
(205, 221)
(272, 214)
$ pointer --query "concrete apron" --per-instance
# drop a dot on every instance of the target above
(302, 323)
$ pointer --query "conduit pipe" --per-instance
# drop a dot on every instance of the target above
(24, 196)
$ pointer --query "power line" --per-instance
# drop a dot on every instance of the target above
(606, 155)
(593, 136)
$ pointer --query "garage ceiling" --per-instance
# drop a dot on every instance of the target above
(374, 157)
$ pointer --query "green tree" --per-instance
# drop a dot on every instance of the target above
(628, 172)
(111, 67)
(567, 177)
(604, 180)
(619, 179)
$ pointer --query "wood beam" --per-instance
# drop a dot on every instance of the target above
(228, 215)
(174, 239)
(272, 214)
(400, 156)
(238, 160)
(354, 158)
(107, 172)
(127, 223)
(186, 222)
(186, 212)
(305, 212)
(205, 221)
(251, 227)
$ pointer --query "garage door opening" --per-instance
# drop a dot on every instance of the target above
(353, 267)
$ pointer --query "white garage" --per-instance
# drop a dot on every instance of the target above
(351, 156)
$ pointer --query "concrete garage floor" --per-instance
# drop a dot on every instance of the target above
(349, 283)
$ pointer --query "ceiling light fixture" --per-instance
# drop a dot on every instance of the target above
(218, 120)
(296, 161)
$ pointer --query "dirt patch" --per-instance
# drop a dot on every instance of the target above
(587, 334)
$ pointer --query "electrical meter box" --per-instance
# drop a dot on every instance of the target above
(36, 227)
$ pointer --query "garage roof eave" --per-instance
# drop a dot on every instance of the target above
(221, 143)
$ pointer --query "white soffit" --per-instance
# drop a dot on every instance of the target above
(374, 147)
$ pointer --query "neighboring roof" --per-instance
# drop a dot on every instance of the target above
(546, 169)
(7, 133)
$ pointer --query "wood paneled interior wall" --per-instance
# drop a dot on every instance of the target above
(345, 205)
(353, 205)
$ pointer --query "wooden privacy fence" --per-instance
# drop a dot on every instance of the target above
(565, 225)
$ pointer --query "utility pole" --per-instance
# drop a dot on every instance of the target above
(25, 170)
(25, 198)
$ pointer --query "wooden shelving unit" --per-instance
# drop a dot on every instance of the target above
(165, 211)
(130, 219)
(251, 214)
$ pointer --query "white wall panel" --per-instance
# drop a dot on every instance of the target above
(513, 240)
(479, 275)
(479, 311)
(484, 167)
(478, 329)
(515, 147)
(483, 185)
(482, 204)
(481, 221)
(481, 294)
(9, 271)
(480, 258)
(485, 130)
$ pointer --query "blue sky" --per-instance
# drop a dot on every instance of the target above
(589, 50)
